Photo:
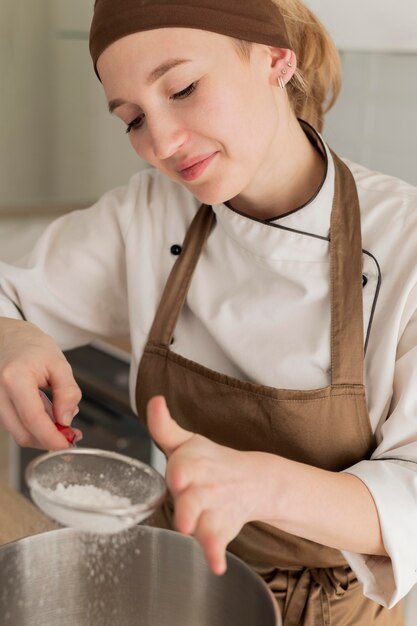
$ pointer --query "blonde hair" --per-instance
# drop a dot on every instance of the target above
(315, 86)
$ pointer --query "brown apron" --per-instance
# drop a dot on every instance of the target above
(327, 428)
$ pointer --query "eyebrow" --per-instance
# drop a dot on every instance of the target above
(157, 73)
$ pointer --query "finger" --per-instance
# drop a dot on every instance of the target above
(194, 464)
(189, 506)
(47, 404)
(11, 423)
(213, 539)
(66, 394)
(163, 429)
(70, 434)
(179, 473)
(33, 416)
(78, 435)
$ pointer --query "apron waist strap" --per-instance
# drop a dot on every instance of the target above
(310, 589)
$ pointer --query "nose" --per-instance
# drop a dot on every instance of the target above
(167, 136)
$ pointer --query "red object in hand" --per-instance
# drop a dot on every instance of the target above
(68, 432)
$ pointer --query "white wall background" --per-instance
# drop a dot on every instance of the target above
(94, 149)
(25, 81)
(370, 24)
(373, 122)
(58, 143)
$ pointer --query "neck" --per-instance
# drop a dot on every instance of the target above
(288, 179)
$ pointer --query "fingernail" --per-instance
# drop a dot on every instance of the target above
(66, 419)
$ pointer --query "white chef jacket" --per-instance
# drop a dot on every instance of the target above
(258, 309)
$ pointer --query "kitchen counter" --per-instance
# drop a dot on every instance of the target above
(19, 517)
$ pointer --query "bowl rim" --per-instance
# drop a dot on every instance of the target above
(115, 511)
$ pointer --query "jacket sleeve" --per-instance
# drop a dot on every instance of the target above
(391, 477)
(73, 283)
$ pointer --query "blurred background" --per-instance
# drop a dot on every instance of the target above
(60, 149)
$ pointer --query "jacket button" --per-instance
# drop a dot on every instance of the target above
(364, 280)
(176, 250)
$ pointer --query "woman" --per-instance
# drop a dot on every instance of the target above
(253, 339)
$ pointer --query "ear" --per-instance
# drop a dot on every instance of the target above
(283, 64)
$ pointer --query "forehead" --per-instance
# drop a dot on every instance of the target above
(154, 46)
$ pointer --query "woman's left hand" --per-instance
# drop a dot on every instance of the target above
(216, 490)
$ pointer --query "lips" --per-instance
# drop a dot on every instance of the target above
(194, 172)
(185, 165)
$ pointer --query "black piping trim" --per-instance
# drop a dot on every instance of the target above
(395, 458)
(378, 288)
(20, 311)
(17, 307)
(270, 222)
(300, 232)
(318, 144)
(290, 230)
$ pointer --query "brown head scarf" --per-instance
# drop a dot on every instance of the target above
(258, 21)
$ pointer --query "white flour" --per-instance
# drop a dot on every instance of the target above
(86, 495)
(75, 496)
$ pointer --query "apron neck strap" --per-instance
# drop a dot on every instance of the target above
(347, 333)
(176, 288)
(347, 347)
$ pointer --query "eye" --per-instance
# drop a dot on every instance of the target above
(185, 92)
(136, 123)
(181, 95)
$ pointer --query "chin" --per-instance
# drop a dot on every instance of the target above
(210, 199)
(214, 196)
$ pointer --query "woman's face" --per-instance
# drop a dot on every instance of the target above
(211, 108)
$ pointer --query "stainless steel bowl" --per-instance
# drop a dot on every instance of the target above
(141, 577)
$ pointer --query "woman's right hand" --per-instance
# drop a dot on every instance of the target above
(30, 360)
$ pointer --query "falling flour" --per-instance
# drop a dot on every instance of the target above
(104, 564)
